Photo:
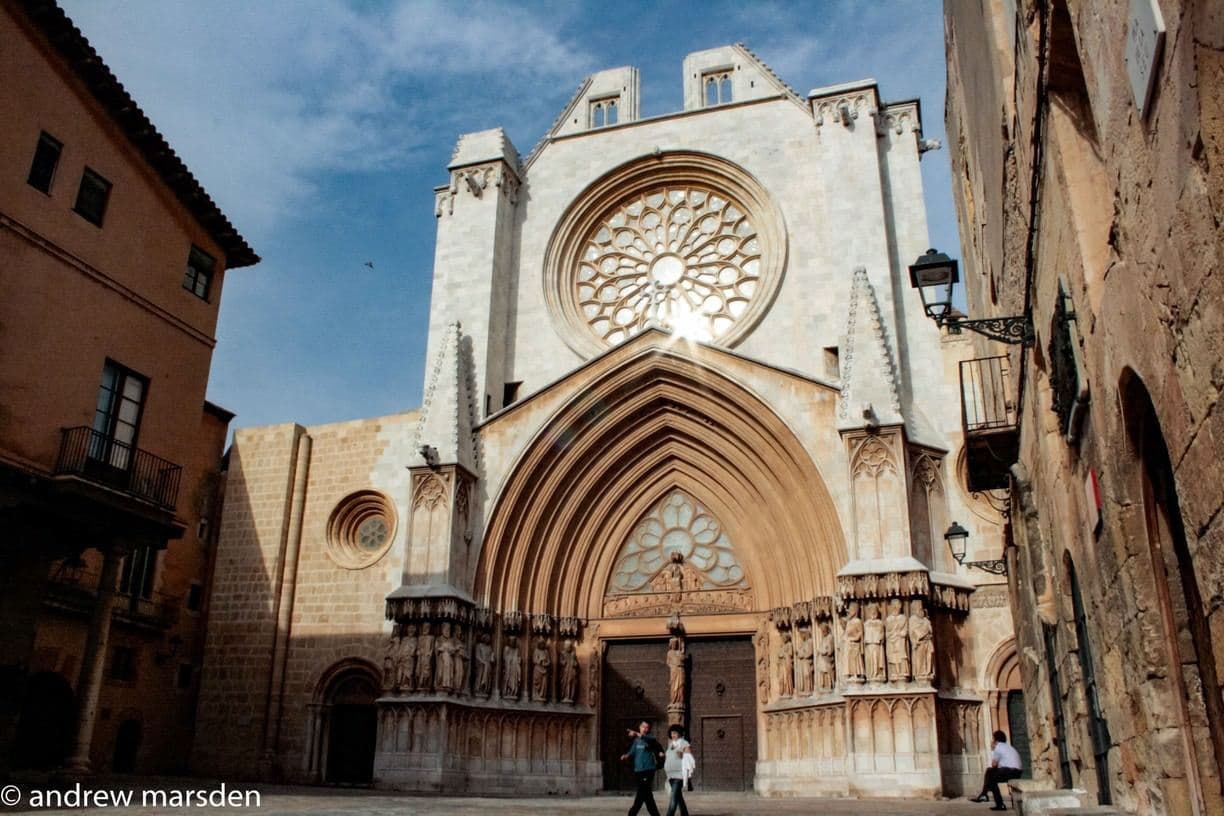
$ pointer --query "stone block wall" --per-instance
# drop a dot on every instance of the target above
(290, 603)
(243, 599)
(1128, 222)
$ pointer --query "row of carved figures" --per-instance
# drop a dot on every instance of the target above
(895, 648)
(419, 661)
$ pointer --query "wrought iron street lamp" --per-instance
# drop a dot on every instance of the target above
(957, 536)
(933, 275)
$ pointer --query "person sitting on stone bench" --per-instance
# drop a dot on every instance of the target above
(1005, 765)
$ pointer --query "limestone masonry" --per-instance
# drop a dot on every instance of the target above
(680, 399)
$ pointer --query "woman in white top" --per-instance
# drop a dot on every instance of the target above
(678, 765)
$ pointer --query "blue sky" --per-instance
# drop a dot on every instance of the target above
(321, 128)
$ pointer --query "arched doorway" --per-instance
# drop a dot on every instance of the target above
(1186, 631)
(1004, 689)
(48, 718)
(127, 745)
(664, 456)
(345, 726)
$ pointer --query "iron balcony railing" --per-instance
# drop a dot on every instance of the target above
(105, 460)
(986, 402)
(76, 590)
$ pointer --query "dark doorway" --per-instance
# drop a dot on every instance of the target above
(721, 708)
(634, 690)
(48, 719)
(722, 712)
(1019, 729)
(127, 743)
(352, 731)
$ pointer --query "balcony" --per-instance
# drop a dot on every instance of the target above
(101, 460)
(988, 416)
(75, 591)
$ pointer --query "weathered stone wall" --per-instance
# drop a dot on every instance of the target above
(289, 605)
(243, 599)
(1128, 218)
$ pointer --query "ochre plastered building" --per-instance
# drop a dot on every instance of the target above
(112, 259)
(1087, 153)
(687, 452)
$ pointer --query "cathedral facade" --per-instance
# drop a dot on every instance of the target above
(687, 453)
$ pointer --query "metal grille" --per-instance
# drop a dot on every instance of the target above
(102, 459)
(986, 402)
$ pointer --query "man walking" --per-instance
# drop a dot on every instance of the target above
(645, 753)
(1005, 765)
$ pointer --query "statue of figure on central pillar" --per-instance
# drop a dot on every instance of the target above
(675, 672)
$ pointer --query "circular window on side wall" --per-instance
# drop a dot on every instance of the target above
(360, 529)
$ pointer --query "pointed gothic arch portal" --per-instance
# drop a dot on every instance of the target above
(660, 424)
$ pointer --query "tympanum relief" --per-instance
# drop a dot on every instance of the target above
(678, 559)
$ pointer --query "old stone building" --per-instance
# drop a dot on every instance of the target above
(1088, 153)
(112, 259)
(687, 453)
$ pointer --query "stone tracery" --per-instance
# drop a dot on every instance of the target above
(684, 256)
(677, 526)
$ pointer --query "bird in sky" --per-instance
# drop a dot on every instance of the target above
(369, 264)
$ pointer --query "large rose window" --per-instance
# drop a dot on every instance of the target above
(684, 257)
(683, 241)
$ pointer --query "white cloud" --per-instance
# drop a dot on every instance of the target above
(260, 98)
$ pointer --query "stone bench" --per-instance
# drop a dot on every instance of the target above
(1034, 796)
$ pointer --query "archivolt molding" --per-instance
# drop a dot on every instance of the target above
(685, 174)
(659, 422)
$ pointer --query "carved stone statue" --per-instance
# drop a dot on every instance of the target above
(762, 650)
(785, 660)
(461, 660)
(512, 685)
(425, 659)
(854, 643)
(408, 658)
(541, 665)
(804, 652)
(569, 672)
(675, 672)
(896, 628)
(671, 577)
(484, 665)
(922, 642)
(444, 649)
(825, 657)
(390, 678)
(873, 644)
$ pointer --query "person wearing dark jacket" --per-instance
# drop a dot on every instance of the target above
(645, 753)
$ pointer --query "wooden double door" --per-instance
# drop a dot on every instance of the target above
(721, 708)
